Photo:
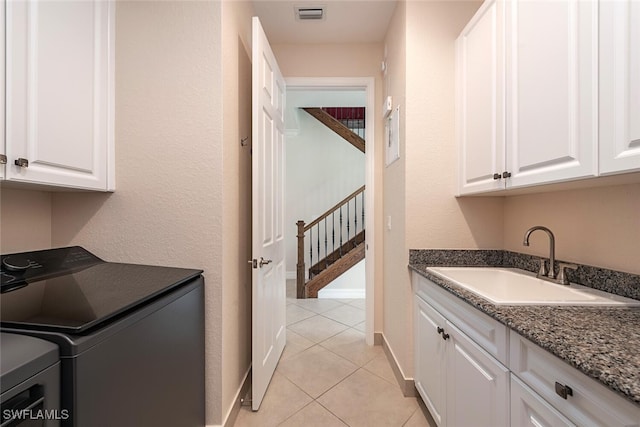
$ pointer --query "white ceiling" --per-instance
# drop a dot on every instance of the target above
(346, 21)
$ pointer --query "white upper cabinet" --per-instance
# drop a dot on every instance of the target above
(528, 94)
(480, 110)
(619, 86)
(59, 93)
(552, 92)
(3, 157)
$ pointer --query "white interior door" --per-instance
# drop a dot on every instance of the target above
(268, 245)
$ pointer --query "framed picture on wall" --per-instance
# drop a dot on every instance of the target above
(392, 136)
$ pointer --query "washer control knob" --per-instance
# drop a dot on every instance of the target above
(16, 263)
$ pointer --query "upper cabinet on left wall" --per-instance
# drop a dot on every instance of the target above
(59, 98)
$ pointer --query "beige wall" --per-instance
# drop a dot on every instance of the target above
(167, 208)
(419, 187)
(596, 226)
(346, 60)
(236, 197)
(397, 303)
(443, 221)
(25, 220)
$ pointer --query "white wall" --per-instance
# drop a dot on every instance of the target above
(351, 284)
(322, 168)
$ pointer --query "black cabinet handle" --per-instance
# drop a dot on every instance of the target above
(506, 174)
(23, 163)
(441, 332)
(497, 176)
(563, 390)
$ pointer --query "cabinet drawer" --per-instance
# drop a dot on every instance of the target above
(490, 334)
(529, 409)
(590, 402)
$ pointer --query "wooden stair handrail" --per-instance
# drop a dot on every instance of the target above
(336, 207)
(301, 289)
(337, 126)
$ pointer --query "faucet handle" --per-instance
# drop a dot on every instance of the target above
(542, 271)
(562, 277)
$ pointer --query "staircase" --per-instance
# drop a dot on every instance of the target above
(347, 128)
(335, 241)
(331, 245)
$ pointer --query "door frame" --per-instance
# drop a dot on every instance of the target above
(368, 85)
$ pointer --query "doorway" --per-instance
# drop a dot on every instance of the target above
(364, 88)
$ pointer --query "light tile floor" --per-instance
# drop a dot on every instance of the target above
(328, 376)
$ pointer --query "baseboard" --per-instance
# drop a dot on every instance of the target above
(407, 385)
(342, 293)
(378, 338)
(233, 412)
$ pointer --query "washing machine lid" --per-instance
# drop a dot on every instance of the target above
(71, 290)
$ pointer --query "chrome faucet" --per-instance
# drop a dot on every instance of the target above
(550, 274)
(552, 251)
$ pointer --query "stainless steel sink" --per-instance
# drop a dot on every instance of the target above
(510, 286)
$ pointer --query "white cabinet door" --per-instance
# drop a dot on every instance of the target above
(477, 384)
(552, 90)
(619, 86)
(430, 359)
(480, 109)
(59, 79)
(530, 410)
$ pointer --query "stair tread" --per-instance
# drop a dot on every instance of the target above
(334, 271)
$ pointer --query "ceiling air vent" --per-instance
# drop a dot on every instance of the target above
(304, 13)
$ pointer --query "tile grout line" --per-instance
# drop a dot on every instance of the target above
(344, 358)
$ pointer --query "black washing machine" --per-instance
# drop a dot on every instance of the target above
(130, 337)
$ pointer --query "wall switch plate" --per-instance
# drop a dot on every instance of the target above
(387, 107)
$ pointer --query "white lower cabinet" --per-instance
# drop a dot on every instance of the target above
(477, 384)
(581, 399)
(430, 358)
(471, 371)
(460, 383)
(528, 409)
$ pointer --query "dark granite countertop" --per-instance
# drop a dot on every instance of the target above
(602, 342)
